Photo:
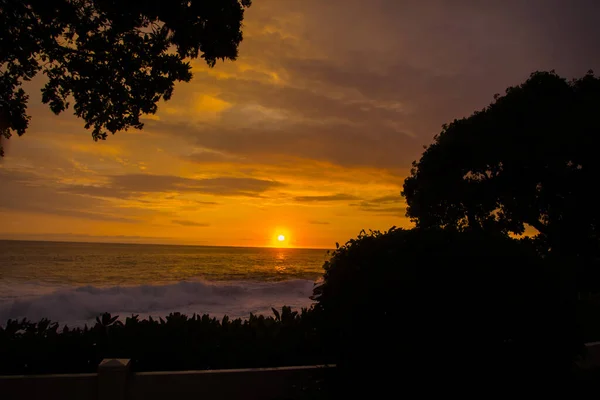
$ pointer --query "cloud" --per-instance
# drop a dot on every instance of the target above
(323, 98)
(325, 198)
(129, 185)
(377, 146)
(349, 110)
(386, 210)
(206, 156)
(394, 198)
(78, 214)
(383, 205)
(26, 192)
(201, 202)
(318, 222)
(72, 237)
(184, 222)
(378, 209)
(96, 191)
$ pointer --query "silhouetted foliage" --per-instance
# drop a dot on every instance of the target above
(114, 59)
(528, 158)
(177, 342)
(446, 304)
(421, 307)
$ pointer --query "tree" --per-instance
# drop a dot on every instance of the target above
(113, 59)
(425, 305)
(530, 158)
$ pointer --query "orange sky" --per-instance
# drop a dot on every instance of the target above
(309, 134)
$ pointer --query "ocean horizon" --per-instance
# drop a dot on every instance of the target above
(162, 244)
(73, 282)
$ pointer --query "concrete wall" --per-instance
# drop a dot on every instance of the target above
(67, 387)
(115, 381)
(246, 384)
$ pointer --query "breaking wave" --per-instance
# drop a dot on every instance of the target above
(76, 306)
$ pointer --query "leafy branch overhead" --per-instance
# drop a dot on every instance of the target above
(114, 60)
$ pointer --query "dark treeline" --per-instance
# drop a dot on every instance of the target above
(177, 342)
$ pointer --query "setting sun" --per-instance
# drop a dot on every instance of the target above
(281, 237)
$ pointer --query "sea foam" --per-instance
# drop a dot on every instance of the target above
(76, 306)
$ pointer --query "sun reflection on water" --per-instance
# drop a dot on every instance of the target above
(281, 261)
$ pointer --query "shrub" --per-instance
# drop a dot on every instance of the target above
(177, 342)
(406, 304)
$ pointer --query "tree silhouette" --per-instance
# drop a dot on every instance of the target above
(397, 305)
(527, 159)
(113, 59)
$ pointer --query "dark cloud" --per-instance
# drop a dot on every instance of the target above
(377, 209)
(337, 143)
(387, 199)
(389, 81)
(126, 186)
(201, 202)
(26, 192)
(383, 205)
(325, 198)
(212, 157)
(184, 222)
(97, 191)
(416, 100)
(400, 211)
(318, 222)
(72, 237)
(302, 102)
(405, 70)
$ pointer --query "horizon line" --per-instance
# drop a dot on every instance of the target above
(164, 244)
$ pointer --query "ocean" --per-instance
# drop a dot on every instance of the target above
(72, 283)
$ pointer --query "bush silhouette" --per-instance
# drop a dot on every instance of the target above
(413, 305)
(177, 342)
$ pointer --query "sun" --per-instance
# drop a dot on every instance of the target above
(280, 237)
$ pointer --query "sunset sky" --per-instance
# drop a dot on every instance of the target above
(309, 134)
